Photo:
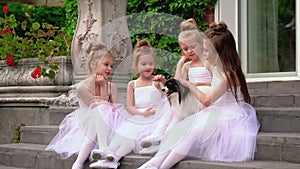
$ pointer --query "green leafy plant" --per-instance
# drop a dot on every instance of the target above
(16, 138)
(30, 39)
(158, 17)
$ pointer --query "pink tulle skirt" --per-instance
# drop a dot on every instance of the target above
(217, 133)
(74, 128)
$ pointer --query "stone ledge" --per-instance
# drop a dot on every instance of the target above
(37, 156)
(279, 119)
(8, 167)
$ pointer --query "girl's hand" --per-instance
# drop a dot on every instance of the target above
(183, 58)
(148, 112)
(160, 78)
(99, 79)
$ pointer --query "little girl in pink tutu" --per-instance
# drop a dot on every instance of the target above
(145, 102)
(226, 129)
(93, 123)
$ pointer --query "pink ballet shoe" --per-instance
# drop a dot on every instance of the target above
(104, 164)
(150, 150)
(100, 154)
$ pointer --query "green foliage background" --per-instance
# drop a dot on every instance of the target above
(161, 19)
(155, 16)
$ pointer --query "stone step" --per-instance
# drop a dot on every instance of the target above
(38, 134)
(274, 87)
(34, 156)
(8, 167)
(57, 114)
(271, 120)
(279, 119)
(273, 146)
(276, 100)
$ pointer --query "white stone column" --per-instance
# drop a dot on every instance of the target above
(102, 20)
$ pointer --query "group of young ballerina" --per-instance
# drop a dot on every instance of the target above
(103, 130)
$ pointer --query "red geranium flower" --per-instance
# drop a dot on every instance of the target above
(10, 61)
(36, 73)
(5, 9)
(8, 31)
(5, 31)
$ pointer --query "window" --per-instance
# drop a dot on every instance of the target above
(269, 28)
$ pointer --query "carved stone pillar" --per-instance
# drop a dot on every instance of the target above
(102, 20)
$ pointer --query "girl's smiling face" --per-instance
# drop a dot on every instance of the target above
(105, 66)
(145, 65)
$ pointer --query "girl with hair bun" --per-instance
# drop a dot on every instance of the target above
(192, 64)
(226, 129)
(145, 102)
(92, 124)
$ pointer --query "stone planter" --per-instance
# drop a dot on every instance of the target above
(20, 75)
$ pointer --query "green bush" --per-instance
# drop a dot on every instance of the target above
(158, 21)
(27, 33)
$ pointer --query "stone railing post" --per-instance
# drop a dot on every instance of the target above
(102, 20)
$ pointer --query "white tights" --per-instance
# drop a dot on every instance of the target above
(123, 141)
(97, 129)
(165, 159)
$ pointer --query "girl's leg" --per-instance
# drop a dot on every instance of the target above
(157, 160)
(181, 150)
(124, 139)
(84, 152)
(121, 145)
(165, 122)
(125, 148)
(102, 129)
(87, 146)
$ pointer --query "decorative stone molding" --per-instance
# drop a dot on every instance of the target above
(100, 20)
(20, 75)
(38, 96)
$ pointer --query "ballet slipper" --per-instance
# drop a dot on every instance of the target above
(151, 141)
(104, 164)
(101, 154)
(150, 150)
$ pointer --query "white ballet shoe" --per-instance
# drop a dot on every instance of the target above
(104, 164)
(100, 154)
(151, 141)
(147, 166)
(150, 150)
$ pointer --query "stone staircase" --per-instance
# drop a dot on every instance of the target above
(278, 142)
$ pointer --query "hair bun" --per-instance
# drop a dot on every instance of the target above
(94, 46)
(189, 24)
(143, 43)
(218, 28)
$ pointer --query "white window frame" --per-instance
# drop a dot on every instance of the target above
(234, 13)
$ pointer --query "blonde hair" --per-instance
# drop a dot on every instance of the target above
(96, 51)
(142, 47)
(189, 31)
